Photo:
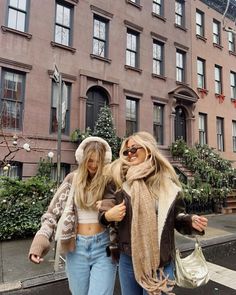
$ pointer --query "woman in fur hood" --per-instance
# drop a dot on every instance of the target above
(73, 215)
(145, 202)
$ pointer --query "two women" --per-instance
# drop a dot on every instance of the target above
(146, 205)
(79, 234)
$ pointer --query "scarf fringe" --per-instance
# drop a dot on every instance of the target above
(158, 286)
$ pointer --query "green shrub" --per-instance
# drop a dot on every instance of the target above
(22, 204)
(213, 175)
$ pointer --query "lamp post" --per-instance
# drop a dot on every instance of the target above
(58, 80)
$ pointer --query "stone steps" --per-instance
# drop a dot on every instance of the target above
(230, 203)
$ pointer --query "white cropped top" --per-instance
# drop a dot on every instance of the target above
(87, 216)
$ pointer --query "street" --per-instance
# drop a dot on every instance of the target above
(226, 258)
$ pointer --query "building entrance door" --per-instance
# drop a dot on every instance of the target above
(97, 98)
(180, 123)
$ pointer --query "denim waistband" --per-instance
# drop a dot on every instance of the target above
(92, 237)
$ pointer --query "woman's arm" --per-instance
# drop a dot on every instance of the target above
(41, 242)
(188, 224)
(109, 209)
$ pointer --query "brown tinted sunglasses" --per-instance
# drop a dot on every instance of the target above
(131, 150)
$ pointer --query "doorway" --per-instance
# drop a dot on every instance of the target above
(96, 98)
(180, 123)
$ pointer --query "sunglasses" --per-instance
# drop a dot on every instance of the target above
(131, 150)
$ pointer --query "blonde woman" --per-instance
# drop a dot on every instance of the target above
(149, 206)
(79, 235)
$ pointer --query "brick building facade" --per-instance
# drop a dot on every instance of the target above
(148, 60)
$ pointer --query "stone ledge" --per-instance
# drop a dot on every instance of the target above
(43, 279)
(10, 286)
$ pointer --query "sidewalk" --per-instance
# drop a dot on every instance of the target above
(16, 271)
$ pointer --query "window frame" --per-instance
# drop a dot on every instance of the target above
(16, 173)
(64, 170)
(217, 33)
(54, 126)
(62, 26)
(220, 133)
(202, 128)
(16, 103)
(181, 68)
(201, 74)
(200, 27)
(158, 125)
(231, 41)
(218, 80)
(105, 21)
(232, 85)
(158, 7)
(131, 51)
(158, 60)
(19, 10)
(234, 136)
(133, 122)
(180, 16)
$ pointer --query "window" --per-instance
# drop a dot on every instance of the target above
(158, 58)
(65, 169)
(65, 93)
(158, 125)
(179, 13)
(157, 7)
(200, 23)
(132, 48)
(231, 38)
(216, 32)
(100, 36)
(233, 85)
(234, 135)
(218, 80)
(131, 116)
(180, 65)
(220, 133)
(63, 25)
(201, 73)
(18, 15)
(12, 98)
(202, 123)
(14, 170)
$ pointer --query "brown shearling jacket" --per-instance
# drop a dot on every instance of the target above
(176, 218)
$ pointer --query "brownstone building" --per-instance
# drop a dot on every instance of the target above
(148, 60)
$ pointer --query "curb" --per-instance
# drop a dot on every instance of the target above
(53, 277)
(10, 286)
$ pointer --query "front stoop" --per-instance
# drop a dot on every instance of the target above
(230, 203)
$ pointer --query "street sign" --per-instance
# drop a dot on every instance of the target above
(56, 75)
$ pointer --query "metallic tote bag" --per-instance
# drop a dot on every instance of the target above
(191, 271)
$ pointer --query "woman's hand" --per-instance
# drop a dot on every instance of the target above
(116, 213)
(199, 222)
(35, 258)
(98, 205)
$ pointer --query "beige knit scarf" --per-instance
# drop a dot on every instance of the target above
(144, 233)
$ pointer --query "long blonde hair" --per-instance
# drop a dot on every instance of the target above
(163, 168)
(89, 190)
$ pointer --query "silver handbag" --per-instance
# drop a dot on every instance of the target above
(191, 271)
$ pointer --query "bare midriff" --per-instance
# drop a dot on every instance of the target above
(89, 229)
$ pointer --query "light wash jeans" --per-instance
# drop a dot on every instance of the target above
(89, 270)
(129, 285)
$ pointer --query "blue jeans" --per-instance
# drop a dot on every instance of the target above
(89, 270)
(129, 285)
